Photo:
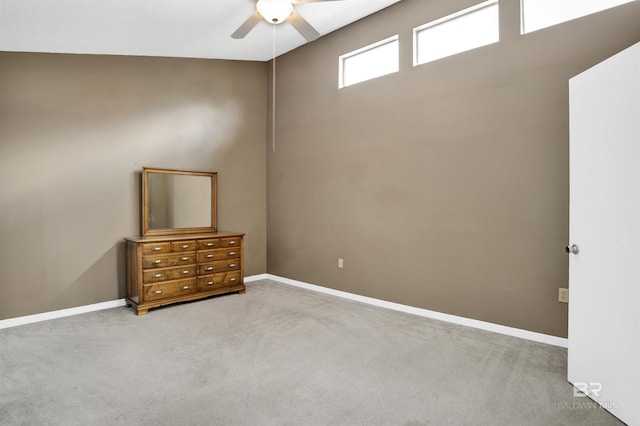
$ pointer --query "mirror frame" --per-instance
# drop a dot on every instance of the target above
(146, 230)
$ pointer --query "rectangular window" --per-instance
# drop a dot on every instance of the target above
(538, 14)
(465, 30)
(369, 62)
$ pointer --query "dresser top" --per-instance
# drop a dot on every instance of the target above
(180, 237)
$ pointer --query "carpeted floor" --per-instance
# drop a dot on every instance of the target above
(280, 355)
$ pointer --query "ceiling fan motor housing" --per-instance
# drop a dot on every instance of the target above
(275, 11)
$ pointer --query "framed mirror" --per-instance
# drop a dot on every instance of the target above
(178, 201)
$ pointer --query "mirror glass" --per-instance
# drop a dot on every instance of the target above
(176, 201)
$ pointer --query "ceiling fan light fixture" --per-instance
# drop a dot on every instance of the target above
(275, 11)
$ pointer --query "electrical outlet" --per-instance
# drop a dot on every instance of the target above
(340, 263)
(563, 295)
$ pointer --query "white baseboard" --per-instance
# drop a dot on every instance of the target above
(28, 319)
(14, 322)
(253, 278)
(496, 328)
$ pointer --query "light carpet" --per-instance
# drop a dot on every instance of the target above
(280, 355)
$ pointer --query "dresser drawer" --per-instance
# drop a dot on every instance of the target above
(230, 242)
(166, 261)
(218, 254)
(209, 244)
(216, 281)
(169, 289)
(182, 246)
(219, 266)
(156, 248)
(167, 274)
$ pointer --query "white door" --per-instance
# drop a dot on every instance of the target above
(604, 276)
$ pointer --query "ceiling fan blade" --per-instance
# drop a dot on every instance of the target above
(302, 26)
(247, 25)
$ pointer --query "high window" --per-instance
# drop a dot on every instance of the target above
(369, 62)
(465, 30)
(538, 14)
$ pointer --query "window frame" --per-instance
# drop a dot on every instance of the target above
(370, 47)
(451, 17)
(523, 30)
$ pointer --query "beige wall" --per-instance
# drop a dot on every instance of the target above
(443, 186)
(75, 131)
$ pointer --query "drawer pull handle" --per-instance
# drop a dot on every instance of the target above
(158, 292)
(210, 283)
(157, 261)
(231, 253)
(157, 276)
(209, 244)
(185, 287)
(232, 242)
(209, 256)
(156, 248)
(232, 265)
(210, 268)
(185, 246)
(232, 279)
(184, 258)
(186, 272)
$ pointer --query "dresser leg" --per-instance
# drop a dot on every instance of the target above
(242, 291)
(142, 311)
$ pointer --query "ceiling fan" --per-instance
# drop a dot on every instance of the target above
(276, 12)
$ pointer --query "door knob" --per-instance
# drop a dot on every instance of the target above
(573, 249)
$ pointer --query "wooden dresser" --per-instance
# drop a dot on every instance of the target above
(162, 270)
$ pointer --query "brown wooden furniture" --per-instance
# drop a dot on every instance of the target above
(180, 256)
(162, 270)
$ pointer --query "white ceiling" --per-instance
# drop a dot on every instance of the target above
(173, 28)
